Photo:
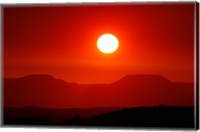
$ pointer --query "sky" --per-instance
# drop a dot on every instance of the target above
(61, 41)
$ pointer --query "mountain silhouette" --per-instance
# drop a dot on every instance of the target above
(43, 90)
(37, 90)
(151, 90)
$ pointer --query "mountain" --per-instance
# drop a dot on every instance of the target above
(151, 90)
(129, 91)
(37, 90)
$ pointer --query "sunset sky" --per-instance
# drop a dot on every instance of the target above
(62, 41)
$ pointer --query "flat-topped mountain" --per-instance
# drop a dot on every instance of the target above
(43, 90)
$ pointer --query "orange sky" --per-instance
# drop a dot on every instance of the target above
(61, 41)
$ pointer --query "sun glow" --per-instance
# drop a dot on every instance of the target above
(107, 43)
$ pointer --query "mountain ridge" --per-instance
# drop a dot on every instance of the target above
(131, 90)
(126, 76)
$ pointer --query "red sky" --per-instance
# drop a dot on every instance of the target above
(61, 41)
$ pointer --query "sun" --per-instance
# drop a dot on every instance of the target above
(107, 43)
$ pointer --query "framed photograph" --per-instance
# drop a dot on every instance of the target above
(110, 65)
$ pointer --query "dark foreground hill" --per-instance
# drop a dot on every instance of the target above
(153, 117)
(141, 117)
(129, 91)
(50, 115)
